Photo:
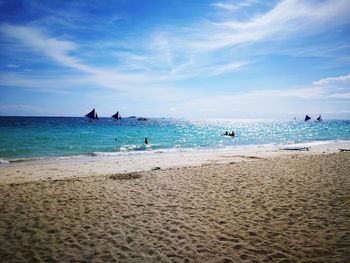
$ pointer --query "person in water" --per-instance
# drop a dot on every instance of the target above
(146, 141)
(229, 134)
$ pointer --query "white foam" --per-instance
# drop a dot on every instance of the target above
(311, 143)
(146, 151)
(2, 161)
(149, 151)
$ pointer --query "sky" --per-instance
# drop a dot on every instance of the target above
(254, 59)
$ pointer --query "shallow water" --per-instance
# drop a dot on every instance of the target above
(26, 137)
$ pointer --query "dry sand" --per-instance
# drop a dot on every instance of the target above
(289, 208)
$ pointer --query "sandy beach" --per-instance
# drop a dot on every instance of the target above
(262, 205)
(212, 131)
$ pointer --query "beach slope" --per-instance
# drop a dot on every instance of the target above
(281, 209)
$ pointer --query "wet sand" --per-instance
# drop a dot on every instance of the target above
(290, 208)
(24, 170)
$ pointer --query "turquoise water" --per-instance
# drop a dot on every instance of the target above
(27, 137)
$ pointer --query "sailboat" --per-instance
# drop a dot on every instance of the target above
(307, 117)
(92, 115)
(319, 119)
(117, 116)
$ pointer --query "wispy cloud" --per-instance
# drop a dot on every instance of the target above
(54, 48)
(336, 87)
(227, 68)
(231, 6)
(48, 83)
(334, 80)
(199, 45)
(21, 109)
(60, 51)
(286, 19)
(172, 55)
(125, 80)
(283, 102)
(12, 66)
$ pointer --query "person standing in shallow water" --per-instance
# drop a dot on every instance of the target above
(146, 141)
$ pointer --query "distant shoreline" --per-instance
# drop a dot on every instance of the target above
(81, 166)
(6, 160)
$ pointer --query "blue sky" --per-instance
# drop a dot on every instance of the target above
(172, 58)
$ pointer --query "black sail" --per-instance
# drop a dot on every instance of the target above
(92, 115)
(117, 116)
(307, 117)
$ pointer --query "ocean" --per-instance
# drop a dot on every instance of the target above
(32, 137)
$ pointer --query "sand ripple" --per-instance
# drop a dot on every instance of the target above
(285, 209)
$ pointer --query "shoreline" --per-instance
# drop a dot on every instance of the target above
(53, 168)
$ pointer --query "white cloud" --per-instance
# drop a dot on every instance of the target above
(188, 52)
(282, 102)
(42, 83)
(287, 18)
(60, 52)
(36, 39)
(126, 81)
(336, 87)
(334, 80)
(231, 6)
(21, 109)
(66, 84)
(193, 51)
(345, 95)
(221, 69)
(12, 66)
